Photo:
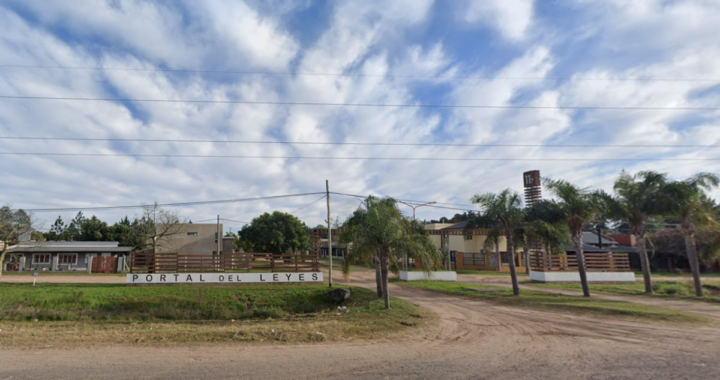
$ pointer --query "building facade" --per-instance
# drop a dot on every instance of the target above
(197, 239)
(62, 255)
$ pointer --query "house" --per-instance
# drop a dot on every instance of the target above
(197, 239)
(62, 255)
(466, 248)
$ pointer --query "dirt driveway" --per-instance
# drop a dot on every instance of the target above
(473, 340)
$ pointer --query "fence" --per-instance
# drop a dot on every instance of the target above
(594, 262)
(227, 262)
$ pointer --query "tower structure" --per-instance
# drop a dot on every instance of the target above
(533, 188)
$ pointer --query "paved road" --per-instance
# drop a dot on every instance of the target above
(473, 340)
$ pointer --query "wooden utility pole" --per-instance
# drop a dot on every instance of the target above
(219, 238)
(330, 250)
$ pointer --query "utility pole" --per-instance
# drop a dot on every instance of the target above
(330, 250)
(218, 235)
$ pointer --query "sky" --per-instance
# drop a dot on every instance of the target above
(597, 75)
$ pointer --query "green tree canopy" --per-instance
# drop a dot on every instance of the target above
(277, 233)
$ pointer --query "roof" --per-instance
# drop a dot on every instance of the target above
(70, 249)
(591, 237)
(457, 226)
(70, 246)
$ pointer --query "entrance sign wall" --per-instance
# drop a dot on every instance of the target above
(222, 278)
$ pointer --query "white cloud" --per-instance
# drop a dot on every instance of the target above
(511, 18)
(377, 42)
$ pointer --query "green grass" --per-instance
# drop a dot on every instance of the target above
(544, 301)
(489, 273)
(67, 314)
(676, 274)
(666, 289)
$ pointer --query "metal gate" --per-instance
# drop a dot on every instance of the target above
(104, 265)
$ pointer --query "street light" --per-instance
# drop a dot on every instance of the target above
(413, 208)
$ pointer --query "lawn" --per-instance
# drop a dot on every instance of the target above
(67, 314)
(667, 289)
(544, 301)
(490, 273)
(676, 274)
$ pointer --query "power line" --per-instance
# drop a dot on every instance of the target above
(295, 73)
(236, 221)
(358, 158)
(383, 105)
(362, 143)
(433, 206)
(172, 204)
(312, 203)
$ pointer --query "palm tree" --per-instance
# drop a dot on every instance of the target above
(545, 226)
(505, 209)
(637, 198)
(577, 206)
(691, 205)
(378, 229)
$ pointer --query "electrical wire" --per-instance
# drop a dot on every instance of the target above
(364, 143)
(236, 221)
(433, 206)
(358, 158)
(382, 105)
(291, 73)
(172, 204)
(312, 203)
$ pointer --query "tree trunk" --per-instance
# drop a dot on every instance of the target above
(386, 291)
(580, 255)
(526, 252)
(2, 259)
(691, 250)
(378, 277)
(513, 272)
(644, 260)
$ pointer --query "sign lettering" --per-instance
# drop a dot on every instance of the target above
(224, 278)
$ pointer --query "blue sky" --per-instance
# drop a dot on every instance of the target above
(649, 53)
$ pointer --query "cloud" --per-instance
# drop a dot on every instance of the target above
(510, 18)
(384, 53)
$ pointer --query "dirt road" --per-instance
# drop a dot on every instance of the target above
(473, 340)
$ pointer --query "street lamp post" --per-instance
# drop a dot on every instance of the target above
(405, 264)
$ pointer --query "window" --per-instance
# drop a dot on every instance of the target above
(41, 259)
(468, 236)
(68, 259)
(192, 234)
(505, 258)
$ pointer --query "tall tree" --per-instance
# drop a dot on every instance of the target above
(74, 229)
(93, 229)
(153, 230)
(277, 233)
(58, 231)
(378, 228)
(13, 225)
(505, 209)
(577, 206)
(637, 198)
(691, 204)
